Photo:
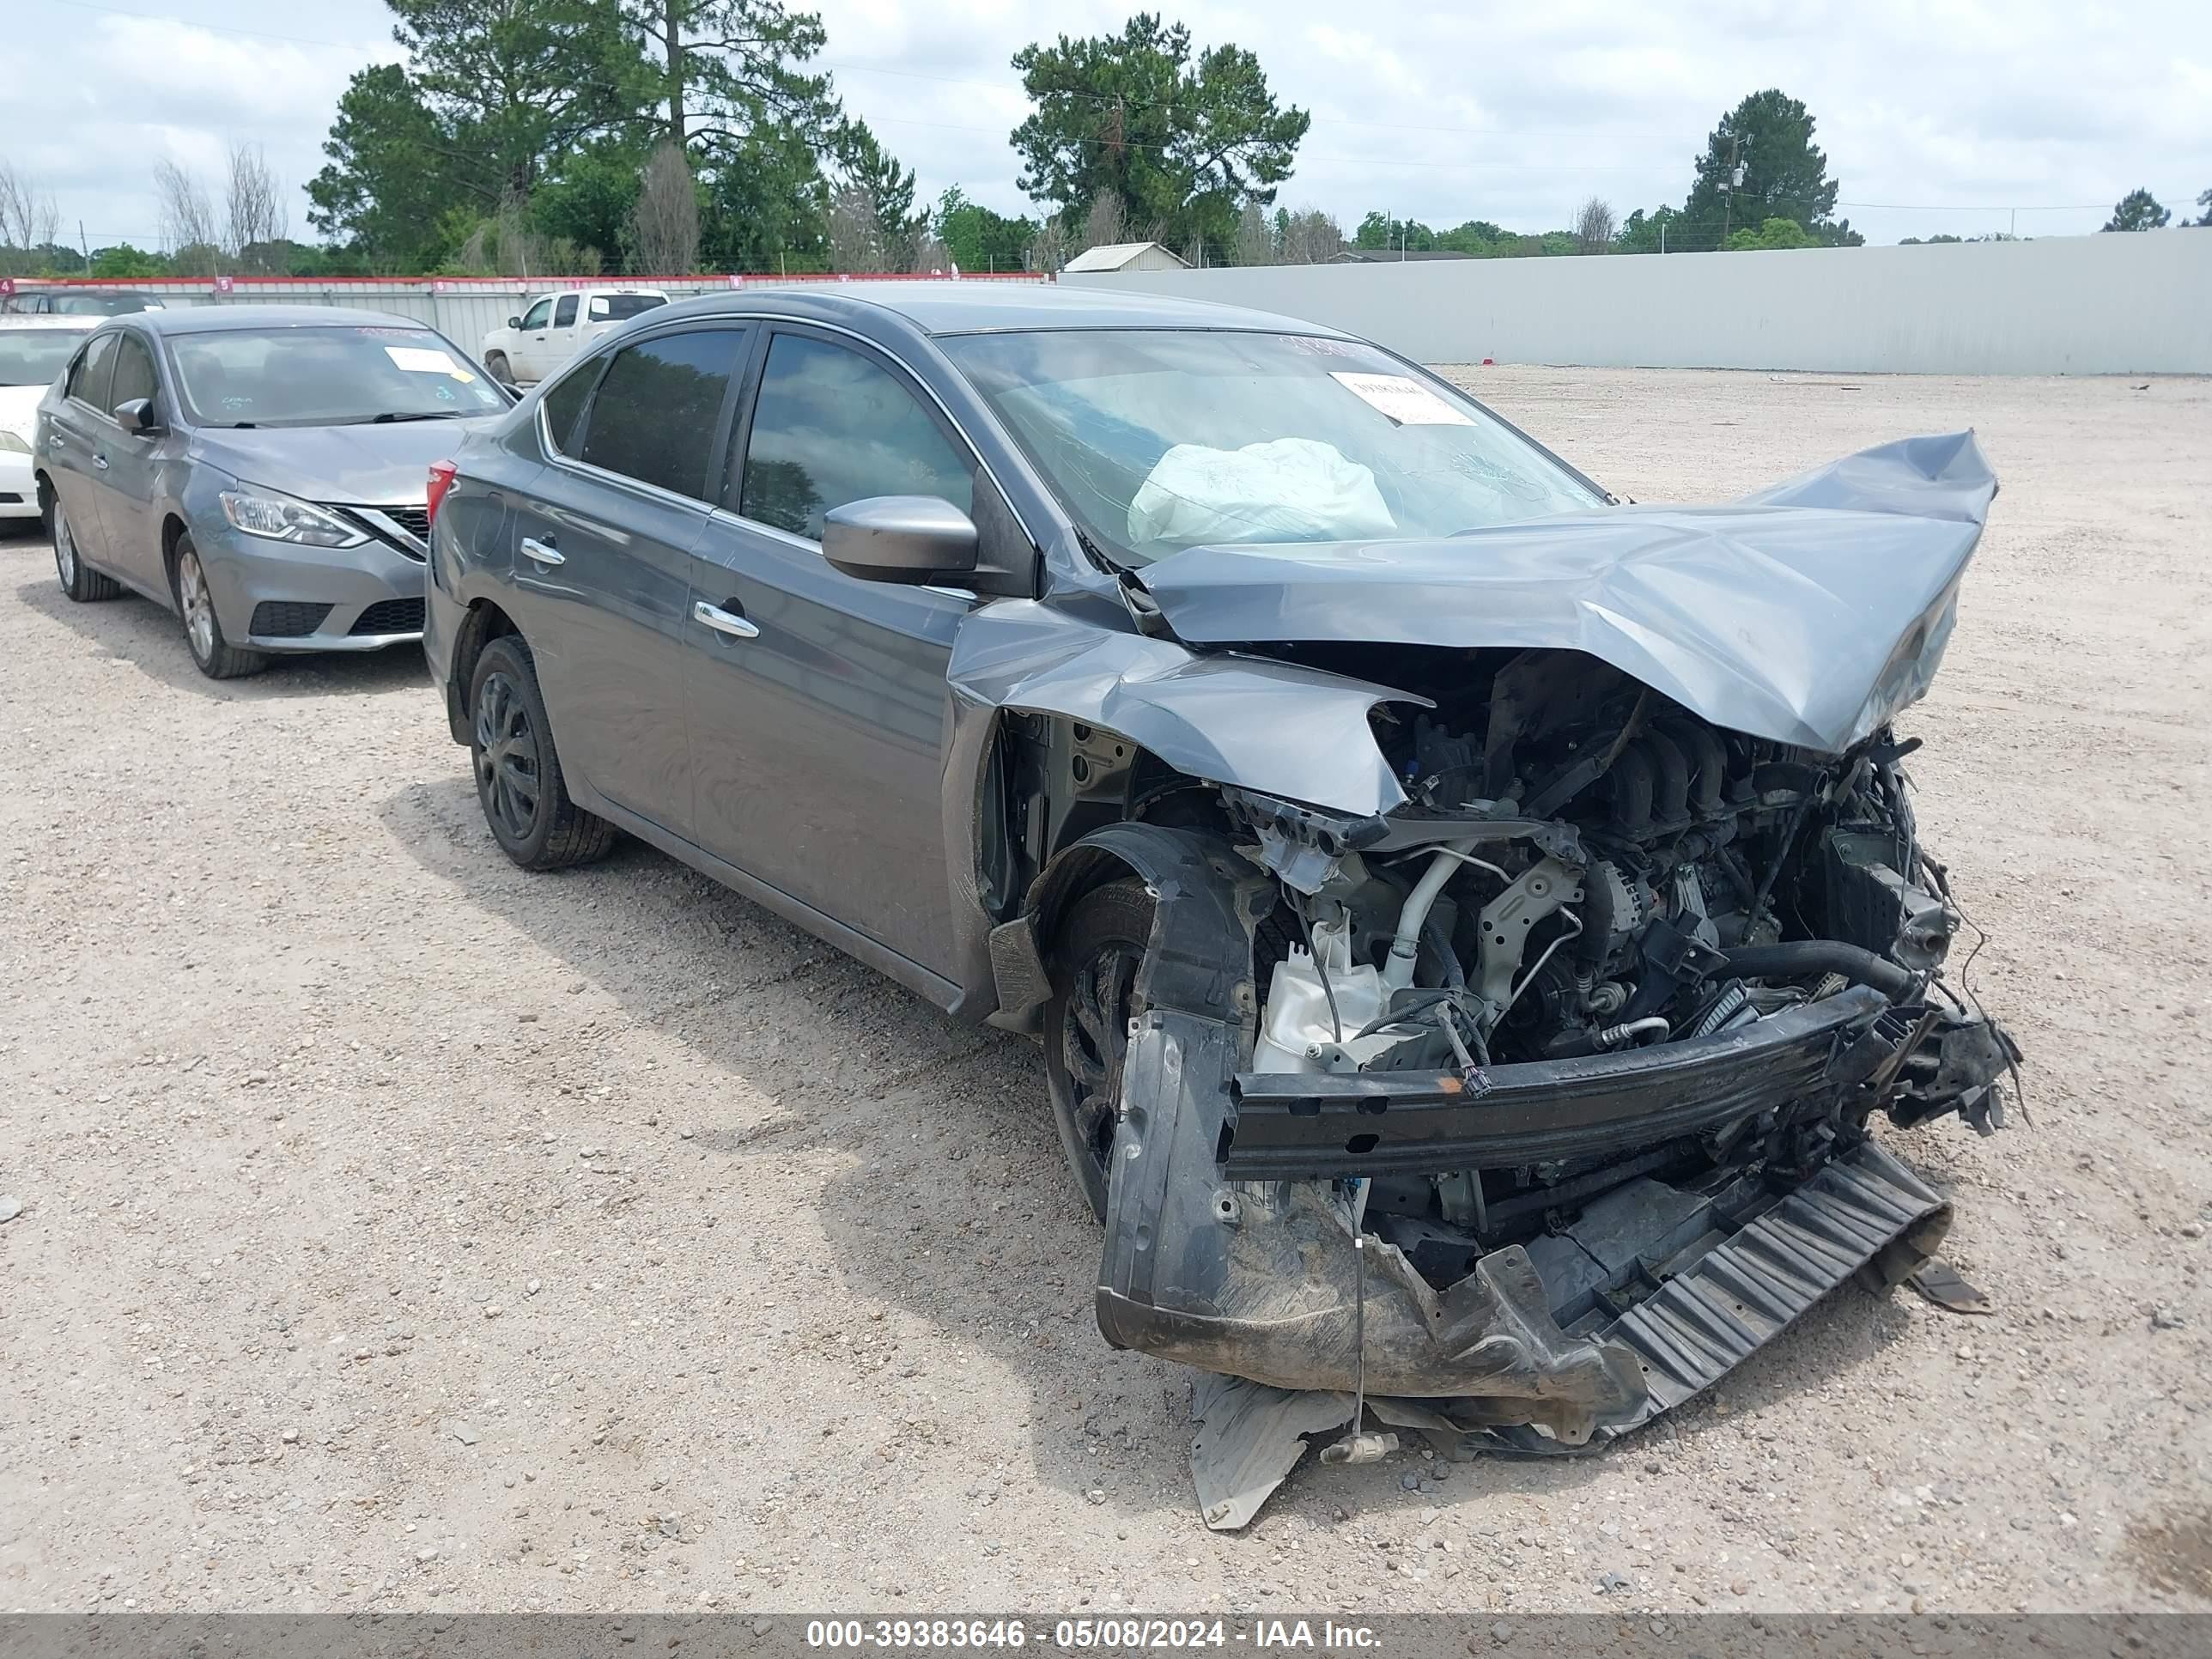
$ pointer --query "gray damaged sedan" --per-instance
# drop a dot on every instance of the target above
(1473, 923)
(260, 470)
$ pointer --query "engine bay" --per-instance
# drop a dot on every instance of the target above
(1586, 869)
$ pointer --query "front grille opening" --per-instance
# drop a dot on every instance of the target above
(286, 619)
(390, 616)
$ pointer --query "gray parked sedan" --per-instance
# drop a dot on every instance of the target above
(1472, 921)
(260, 470)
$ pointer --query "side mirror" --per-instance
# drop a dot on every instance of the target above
(899, 538)
(138, 416)
(514, 322)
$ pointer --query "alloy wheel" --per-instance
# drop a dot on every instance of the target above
(198, 606)
(506, 757)
(1094, 1042)
(64, 548)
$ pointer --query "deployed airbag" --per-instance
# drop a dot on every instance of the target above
(1288, 489)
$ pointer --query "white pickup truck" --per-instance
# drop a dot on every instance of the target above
(558, 326)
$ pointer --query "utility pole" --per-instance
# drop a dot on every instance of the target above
(1727, 191)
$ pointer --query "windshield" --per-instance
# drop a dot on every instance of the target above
(615, 307)
(33, 357)
(103, 305)
(1160, 439)
(326, 377)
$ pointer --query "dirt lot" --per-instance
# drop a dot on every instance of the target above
(401, 1231)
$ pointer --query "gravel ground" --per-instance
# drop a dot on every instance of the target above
(401, 1231)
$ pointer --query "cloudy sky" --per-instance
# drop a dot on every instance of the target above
(1942, 115)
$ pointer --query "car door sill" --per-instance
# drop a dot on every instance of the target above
(933, 987)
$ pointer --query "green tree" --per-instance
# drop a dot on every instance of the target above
(1785, 176)
(979, 239)
(2204, 200)
(726, 69)
(1475, 236)
(2137, 210)
(1657, 232)
(125, 260)
(522, 85)
(1378, 232)
(1774, 233)
(769, 206)
(1183, 143)
(864, 164)
(389, 178)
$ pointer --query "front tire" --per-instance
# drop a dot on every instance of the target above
(1086, 1025)
(212, 654)
(518, 770)
(79, 580)
(495, 365)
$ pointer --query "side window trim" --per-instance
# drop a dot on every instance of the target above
(593, 368)
(902, 376)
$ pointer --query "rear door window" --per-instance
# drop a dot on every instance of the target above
(564, 314)
(830, 426)
(659, 407)
(134, 372)
(89, 381)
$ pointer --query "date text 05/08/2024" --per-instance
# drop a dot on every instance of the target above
(1089, 1634)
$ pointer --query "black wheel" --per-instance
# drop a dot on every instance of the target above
(212, 654)
(518, 771)
(495, 366)
(79, 580)
(1087, 1025)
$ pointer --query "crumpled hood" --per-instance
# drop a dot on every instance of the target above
(1809, 613)
(352, 465)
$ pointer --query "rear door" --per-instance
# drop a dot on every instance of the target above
(817, 739)
(562, 338)
(74, 430)
(602, 567)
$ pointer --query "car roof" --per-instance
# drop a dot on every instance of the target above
(219, 320)
(981, 307)
(82, 321)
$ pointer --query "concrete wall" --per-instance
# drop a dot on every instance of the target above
(2081, 305)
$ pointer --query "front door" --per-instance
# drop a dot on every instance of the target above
(818, 726)
(528, 359)
(602, 567)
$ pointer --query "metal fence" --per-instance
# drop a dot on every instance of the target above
(462, 309)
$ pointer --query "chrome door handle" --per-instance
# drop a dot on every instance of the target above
(100, 461)
(723, 622)
(544, 552)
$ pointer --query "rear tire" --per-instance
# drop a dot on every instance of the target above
(1086, 1025)
(518, 770)
(212, 654)
(79, 580)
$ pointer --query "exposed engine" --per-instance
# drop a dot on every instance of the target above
(1589, 869)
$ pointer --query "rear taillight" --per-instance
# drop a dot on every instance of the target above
(441, 480)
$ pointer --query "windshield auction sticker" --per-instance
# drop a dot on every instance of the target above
(422, 360)
(1404, 400)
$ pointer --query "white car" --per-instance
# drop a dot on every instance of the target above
(558, 326)
(33, 349)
